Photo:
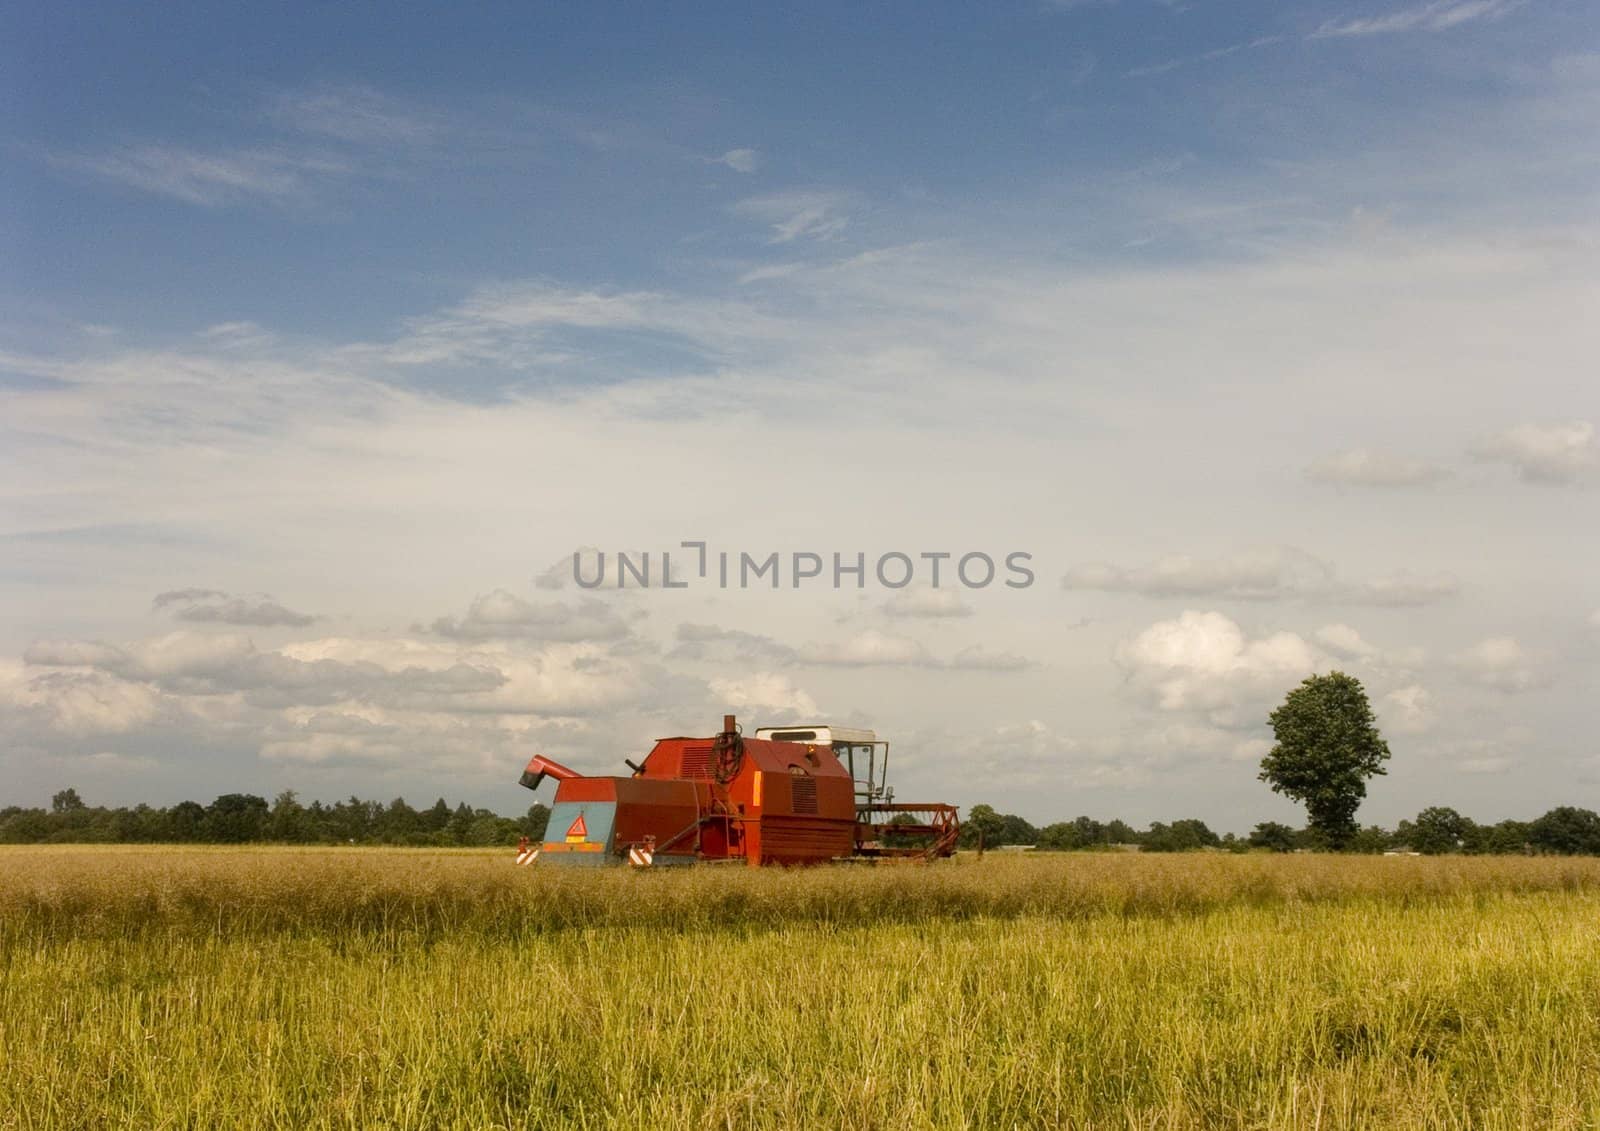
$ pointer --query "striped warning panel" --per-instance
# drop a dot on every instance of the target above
(527, 856)
(641, 857)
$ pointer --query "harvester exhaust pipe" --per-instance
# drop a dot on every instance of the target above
(541, 767)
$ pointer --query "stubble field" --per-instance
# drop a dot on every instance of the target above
(364, 988)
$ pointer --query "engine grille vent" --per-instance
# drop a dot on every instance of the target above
(697, 762)
(805, 794)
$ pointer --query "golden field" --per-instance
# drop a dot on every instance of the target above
(367, 988)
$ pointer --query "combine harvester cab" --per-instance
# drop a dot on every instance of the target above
(782, 797)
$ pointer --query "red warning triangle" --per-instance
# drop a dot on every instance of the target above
(578, 828)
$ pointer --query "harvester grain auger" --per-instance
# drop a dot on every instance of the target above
(788, 795)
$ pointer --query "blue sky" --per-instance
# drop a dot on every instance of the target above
(340, 174)
(1264, 327)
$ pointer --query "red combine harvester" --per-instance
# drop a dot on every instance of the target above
(790, 795)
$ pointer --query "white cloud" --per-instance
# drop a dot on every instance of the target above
(357, 114)
(926, 602)
(502, 615)
(76, 703)
(739, 160)
(1167, 65)
(1397, 590)
(1440, 15)
(212, 179)
(1363, 467)
(1265, 574)
(273, 447)
(1546, 454)
(1501, 663)
(1342, 640)
(1205, 662)
(713, 644)
(1408, 710)
(433, 705)
(214, 606)
(869, 648)
(817, 214)
(978, 658)
(540, 326)
(769, 692)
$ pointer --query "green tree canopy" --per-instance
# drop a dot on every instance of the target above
(983, 826)
(1272, 835)
(1327, 747)
(1436, 830)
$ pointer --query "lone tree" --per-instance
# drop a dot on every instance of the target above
(1328, 746)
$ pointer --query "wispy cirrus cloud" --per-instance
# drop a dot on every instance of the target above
(211, 179)
(1274, 573)
(817, 214)
(1211, 56)
(739, 160)
(358, 114)
(1440, 15)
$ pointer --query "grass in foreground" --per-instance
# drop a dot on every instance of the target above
(379, 988)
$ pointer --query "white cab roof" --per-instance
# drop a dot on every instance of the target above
(820, 733)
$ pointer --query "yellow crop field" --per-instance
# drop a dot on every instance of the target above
(209, 988)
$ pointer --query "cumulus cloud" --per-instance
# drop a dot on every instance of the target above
(502, 615)
(976, 657)
(79, 703)
(1203, 661)
(1501, 663)
(437, 705)
(773, 694)
(1265, 574)
(212, 606)
(926, 602)
(187, 663)
(714, 644)
(1543, 454)
(1362, 467)
(1408, 710)
(869, 648)
(1342, 640)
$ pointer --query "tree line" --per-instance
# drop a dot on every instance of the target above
(1436, 830)
(244, 818)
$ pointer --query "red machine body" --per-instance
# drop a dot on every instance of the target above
(724, 798)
